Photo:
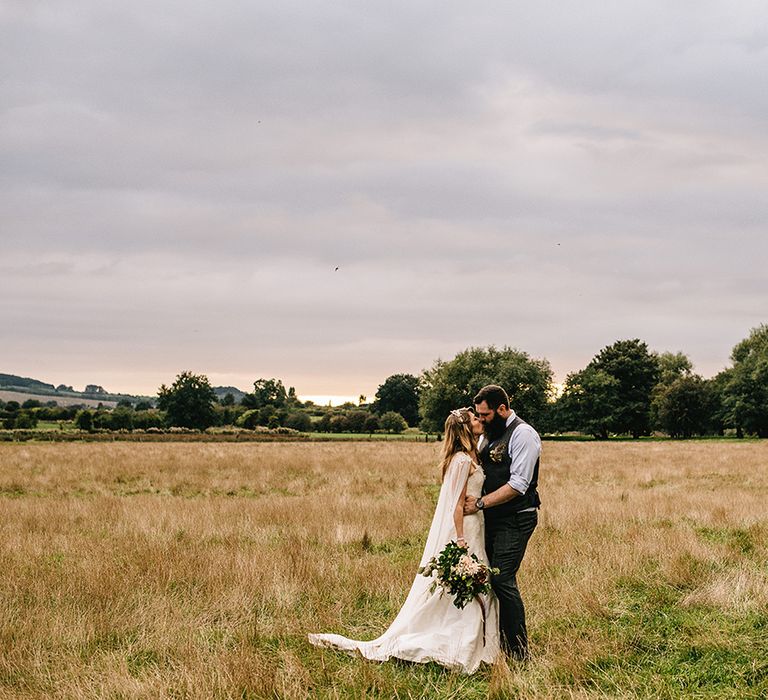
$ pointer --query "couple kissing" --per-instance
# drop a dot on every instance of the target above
(488, 503)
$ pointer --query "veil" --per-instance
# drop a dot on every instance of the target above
(443, 530)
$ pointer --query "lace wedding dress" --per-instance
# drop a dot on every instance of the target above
(429, 627)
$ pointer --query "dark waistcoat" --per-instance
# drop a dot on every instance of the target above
(496, 463)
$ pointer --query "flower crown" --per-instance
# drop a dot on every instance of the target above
(459, 412)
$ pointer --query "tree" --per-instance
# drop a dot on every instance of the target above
(684, 407)
(672, 366)
(298, 420)
(721, 416)
(746, 390)
(589, 403)
(84, 420)
(324, 424)
(102, 419)
(121, 419)
(248, 420)
(266, 392)
(338, 423)
(147, 419)
(227, 415)
(371, 423)
(356, 421)
(188, 403)
(637, 372)
(399, 393)
(449, 385)
(25, 419)
(392, 422)
(228, 399)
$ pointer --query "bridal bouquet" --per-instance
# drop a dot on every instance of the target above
(460, 574)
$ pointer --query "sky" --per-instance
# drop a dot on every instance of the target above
(331, 193)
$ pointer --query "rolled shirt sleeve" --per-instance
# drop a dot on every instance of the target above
(524, 449)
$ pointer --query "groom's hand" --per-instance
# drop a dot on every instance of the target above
(469, 505)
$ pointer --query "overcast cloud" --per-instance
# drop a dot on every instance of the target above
(179, 181)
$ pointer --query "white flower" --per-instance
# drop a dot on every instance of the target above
(468, 566)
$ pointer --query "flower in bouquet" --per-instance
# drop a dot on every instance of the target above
(460, 574)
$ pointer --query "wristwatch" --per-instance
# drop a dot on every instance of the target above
(479, 504)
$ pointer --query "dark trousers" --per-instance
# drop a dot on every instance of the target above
(506, 538)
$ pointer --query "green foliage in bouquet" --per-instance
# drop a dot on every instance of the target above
(459, 573)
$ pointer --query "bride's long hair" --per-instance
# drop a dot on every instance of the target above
(458, 436)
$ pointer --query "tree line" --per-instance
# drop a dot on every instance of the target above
(191, 402)
(625, 390)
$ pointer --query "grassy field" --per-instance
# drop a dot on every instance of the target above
(140, 570)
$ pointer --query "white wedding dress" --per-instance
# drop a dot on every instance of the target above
(429, 627)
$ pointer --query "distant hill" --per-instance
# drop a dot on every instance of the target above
(222, 391)
(16, 382)
(58, 399)
(93, 392)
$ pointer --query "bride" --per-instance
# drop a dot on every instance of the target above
(429, 627)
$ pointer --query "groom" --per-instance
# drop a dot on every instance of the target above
(510, 458)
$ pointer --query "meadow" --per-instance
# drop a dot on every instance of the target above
(195, 570)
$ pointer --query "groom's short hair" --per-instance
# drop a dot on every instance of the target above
(493, 395)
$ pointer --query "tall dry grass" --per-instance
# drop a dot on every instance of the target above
(196, 570)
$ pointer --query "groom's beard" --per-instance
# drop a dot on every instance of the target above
(495, 429)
